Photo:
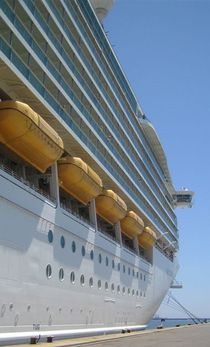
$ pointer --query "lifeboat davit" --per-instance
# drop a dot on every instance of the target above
(110, 206)
(132, 225)
(78, 179)
(27, 134)
(147, 238)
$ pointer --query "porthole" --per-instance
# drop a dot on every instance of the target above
(112, 287)
(118, 266)
(91, 254)
(48, 271)
(113, 264)
(72, 277)
(73, 246)
(91, 282)
(83, 251)
(129, 271)
(123, 290)
(82, 280)
(133, 292)
(123, 268)
(129, 291)
(99, 284)
(107, 261)
(50, 236)
(118, 289)
(61, 274)
(100, 258)
(106, 286)
(62, 241)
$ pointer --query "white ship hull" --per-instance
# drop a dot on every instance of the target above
(29, 300)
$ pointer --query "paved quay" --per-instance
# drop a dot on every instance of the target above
(184, 336)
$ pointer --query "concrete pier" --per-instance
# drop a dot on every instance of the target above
(183, 336)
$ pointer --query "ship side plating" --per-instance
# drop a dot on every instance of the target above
(88, 231)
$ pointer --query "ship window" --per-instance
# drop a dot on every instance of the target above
(129, 291)
(129, 271)
(106, 286)
(112, 287)
(113, 264)
(141, 294)
(73, 246)
(99, 284)
(107, 261)
(124, 268)
(50, 236)
(72, 277)
(144, 294)
(140, 276)
(133, 292)
(133, 273)
(118, 289)
(83, 251)
(61, 274)
(123, 290)
(137, 293)
(100, 258)
(48, 271)
(144, 277)
(118, 266)
(91, 254)
(91, 282)
(82, 280)
(62, 241)
(137, 274)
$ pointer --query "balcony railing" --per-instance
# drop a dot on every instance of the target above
(25, 181)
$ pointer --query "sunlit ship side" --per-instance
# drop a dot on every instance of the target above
(88, 236)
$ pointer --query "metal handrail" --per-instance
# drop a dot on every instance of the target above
(26, 182)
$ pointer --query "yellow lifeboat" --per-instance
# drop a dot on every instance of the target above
(110, 206)
(132, 225)
(28, 135)
(147, 238)
(78, 179)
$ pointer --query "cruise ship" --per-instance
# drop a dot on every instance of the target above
(88, 237)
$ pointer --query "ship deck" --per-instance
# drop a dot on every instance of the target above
(184, 336)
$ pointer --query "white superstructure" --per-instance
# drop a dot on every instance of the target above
(87, 251)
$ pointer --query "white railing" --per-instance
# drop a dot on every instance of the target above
(24, 181)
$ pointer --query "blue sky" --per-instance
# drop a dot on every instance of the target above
(164, 48)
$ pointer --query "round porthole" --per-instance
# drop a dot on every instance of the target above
(112, 287)
(91, 254)
(72, 277)
(62, 241)
(99, 284)
(82, 280)
(50, 236)
(83, 251)
(61, 274)
(73, 246)
(91, 282)
(48, 271)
